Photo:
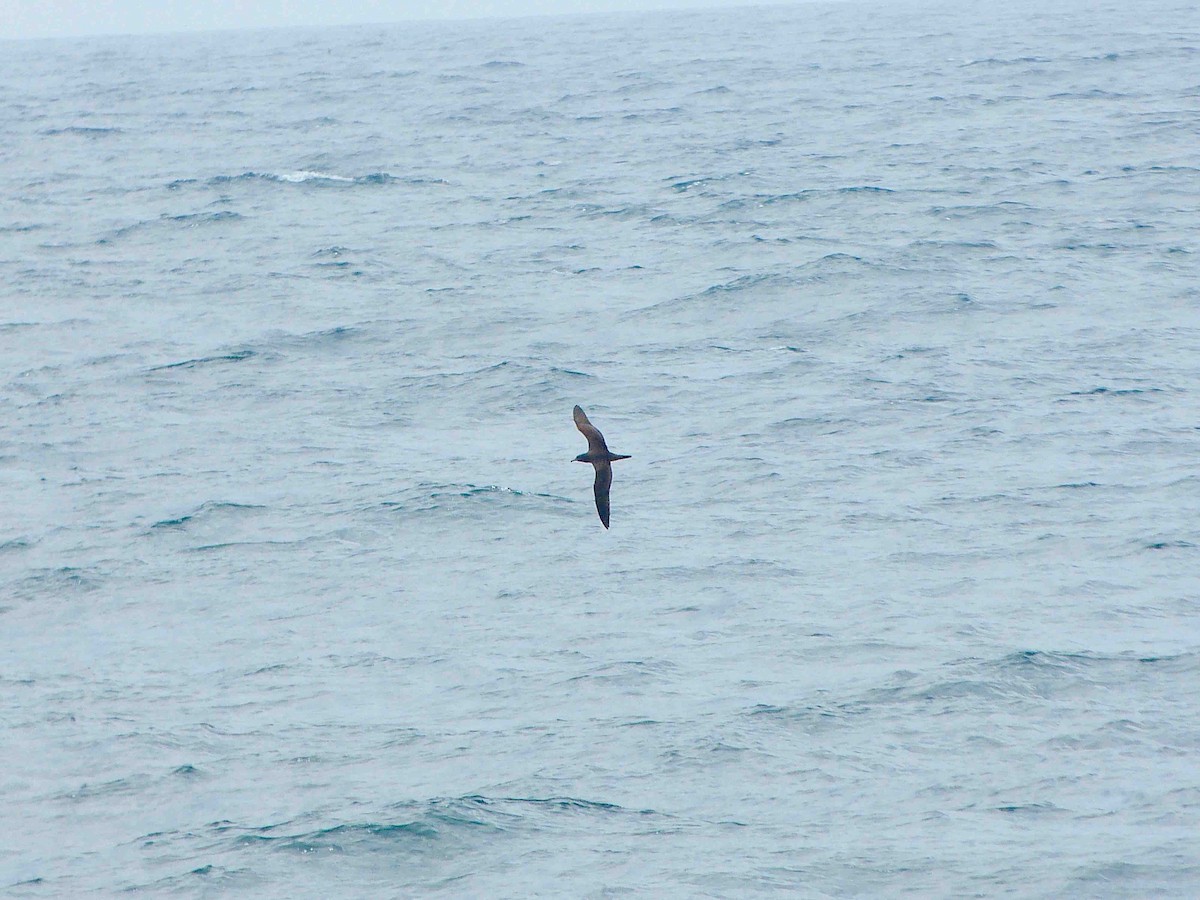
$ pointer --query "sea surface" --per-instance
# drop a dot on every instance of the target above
(896, 308)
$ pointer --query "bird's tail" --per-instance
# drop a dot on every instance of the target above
(613, 456)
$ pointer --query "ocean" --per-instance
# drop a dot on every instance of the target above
(896, 309)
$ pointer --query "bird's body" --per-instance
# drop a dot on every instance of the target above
(599, 456)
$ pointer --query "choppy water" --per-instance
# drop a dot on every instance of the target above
(896, 310)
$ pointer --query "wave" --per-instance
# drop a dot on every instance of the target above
(426, 832)
(509, 385)
(1171, 545)
(766, 286)
(1001, 61)
(316, 341)
(235, 356)
(84, 131)
(206, 509)
(954, 245)
(271, 345)
(450, 497)
(805, 195)
(745, 283)
(1027, 675)
(1093, 94)
(58, 581)
(1115, 392)
(970, 211)
(320, 179)
(186, 220)
(414, 827)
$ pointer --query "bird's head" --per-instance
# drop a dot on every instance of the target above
(582, 457)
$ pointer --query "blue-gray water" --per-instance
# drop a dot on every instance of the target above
(897, 310)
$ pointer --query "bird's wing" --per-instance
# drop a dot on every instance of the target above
(595, 439)
(603, 483)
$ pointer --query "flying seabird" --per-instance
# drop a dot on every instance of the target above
(599, 456)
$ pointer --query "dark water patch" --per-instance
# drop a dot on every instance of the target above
(20, 229)
(236, 356)
(186, 771)
(502, 64)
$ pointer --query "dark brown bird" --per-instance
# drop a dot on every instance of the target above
(599, 456)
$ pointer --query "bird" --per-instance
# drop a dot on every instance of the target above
(599, 456)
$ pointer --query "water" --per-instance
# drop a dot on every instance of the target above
(895, 309)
